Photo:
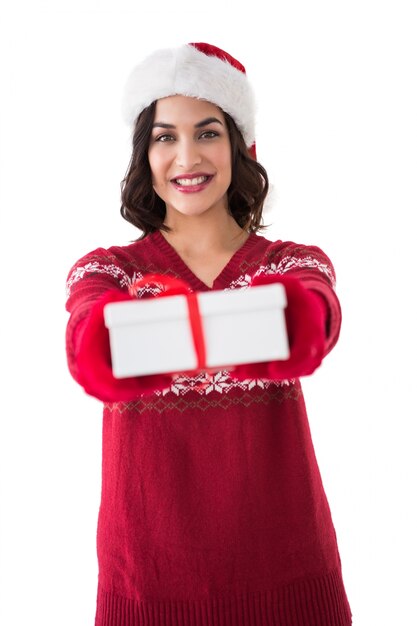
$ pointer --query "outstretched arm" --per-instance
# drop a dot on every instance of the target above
(92, 283)
(313, 314)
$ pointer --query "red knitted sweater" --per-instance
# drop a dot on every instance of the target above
(213, 511)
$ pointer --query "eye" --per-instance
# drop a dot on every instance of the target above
(209, 134)
(164, 138)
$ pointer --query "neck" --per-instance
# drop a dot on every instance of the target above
(200, 235)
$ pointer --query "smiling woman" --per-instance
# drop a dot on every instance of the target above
(192, 165)
(213, 511)
(146, 210)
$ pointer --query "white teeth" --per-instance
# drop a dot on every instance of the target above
(188, 182)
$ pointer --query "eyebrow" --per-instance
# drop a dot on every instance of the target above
(205, 122)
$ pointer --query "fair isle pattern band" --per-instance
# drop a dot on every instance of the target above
(243, 282)
(285, 265)
(95, 267)
(124, 280)
(205, 383)
(114, 271)
(266, 391)
(308, 262)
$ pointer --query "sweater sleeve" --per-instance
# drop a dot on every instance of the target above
(315, 272)
(313, 313)
(95, 280)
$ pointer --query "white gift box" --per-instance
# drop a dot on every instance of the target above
(154, 335)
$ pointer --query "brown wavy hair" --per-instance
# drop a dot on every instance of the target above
(143, 208)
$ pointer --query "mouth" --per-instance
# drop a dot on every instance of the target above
(191, 182)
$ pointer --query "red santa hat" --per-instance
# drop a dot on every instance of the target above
(198, 70)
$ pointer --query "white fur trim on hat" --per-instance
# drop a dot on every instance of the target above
(189, 72)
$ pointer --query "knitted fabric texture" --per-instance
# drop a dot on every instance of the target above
(213, 511)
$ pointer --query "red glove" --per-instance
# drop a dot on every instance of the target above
(305, 318)
(93, 360)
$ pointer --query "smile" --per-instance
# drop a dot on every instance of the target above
(189, 182)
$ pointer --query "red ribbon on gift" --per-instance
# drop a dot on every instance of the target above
(175, 286)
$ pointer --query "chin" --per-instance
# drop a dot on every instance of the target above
(195, 210)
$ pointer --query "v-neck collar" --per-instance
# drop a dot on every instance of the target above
(225, 276)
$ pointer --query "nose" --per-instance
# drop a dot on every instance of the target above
(188, 154)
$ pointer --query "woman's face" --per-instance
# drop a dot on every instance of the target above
(190, 157)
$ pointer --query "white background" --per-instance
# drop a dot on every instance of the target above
(337, 132)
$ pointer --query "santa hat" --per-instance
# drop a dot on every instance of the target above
(198, 70)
